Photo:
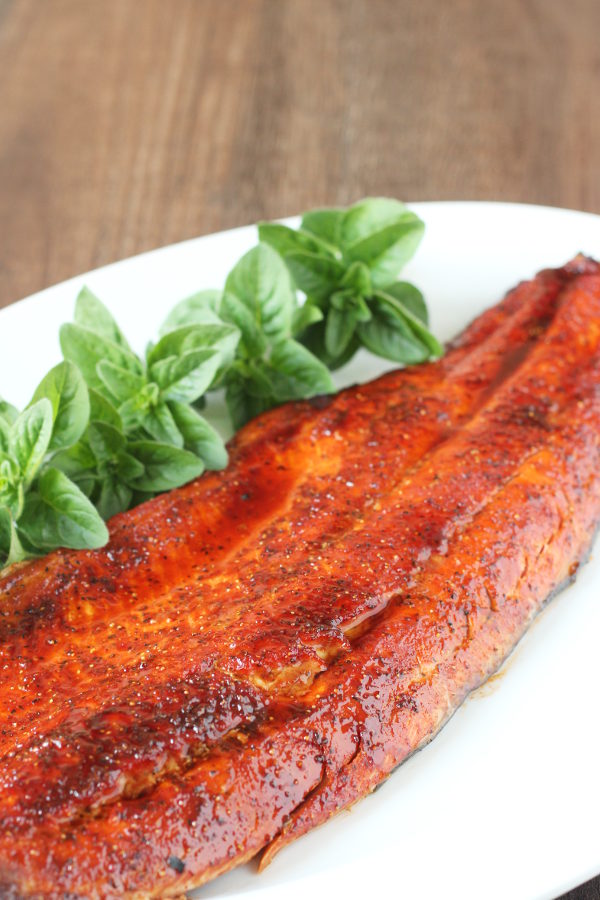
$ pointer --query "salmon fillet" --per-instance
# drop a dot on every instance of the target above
(259, 649)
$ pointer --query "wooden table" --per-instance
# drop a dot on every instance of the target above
(128, 124)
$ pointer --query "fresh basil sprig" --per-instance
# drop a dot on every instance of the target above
(346, 261)
(40, 507)
(142, 437)
(269, 367)
(108, 428)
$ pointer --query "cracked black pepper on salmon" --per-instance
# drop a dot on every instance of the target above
(259, 649)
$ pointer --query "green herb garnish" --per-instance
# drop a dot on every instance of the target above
(346, 261)
(143, 436)
(40, 506)
(107, 429)
(269, 367)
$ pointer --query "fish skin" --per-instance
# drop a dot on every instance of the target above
(358, 623)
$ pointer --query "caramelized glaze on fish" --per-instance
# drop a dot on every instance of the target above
(259, 649)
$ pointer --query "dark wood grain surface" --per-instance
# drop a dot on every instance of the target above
(129, 124)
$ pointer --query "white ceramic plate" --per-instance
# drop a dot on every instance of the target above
(505, 802)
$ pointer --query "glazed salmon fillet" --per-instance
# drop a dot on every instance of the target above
(257, 650)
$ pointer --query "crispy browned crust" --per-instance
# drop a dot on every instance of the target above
(257, 650)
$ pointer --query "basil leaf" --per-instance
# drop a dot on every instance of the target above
(242, 405)
(165, 467)
(30, 437)
(410, 297)
(261, 281)
(304, 374)
(102, 410)
(92, 314)
(339, 328)
(420, 330)
(186, 377)
(317, 276)
(4, 436)
(314, 340)
(213, 308)
(385, 337)
(86, 483)
(324, 224)
(134, 411)
(233, 310)
(289, 240)
(86, 349)
(368, 216)
(60, 515)
(198, 436)
(351, 304)
(199, 309)
(12, 491)
(347, 310)
(160, 425)
(357, 279)
(105, 441)
(386, 251)
(220, 339)
(305, 315)
(11, 548)
(79, 464)
(389, 335)
(256, 374)
(121, 384)
(77, 461)
(114, 498)
(66, 390)
(8, 412)
(6, 528)
(128, 467)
